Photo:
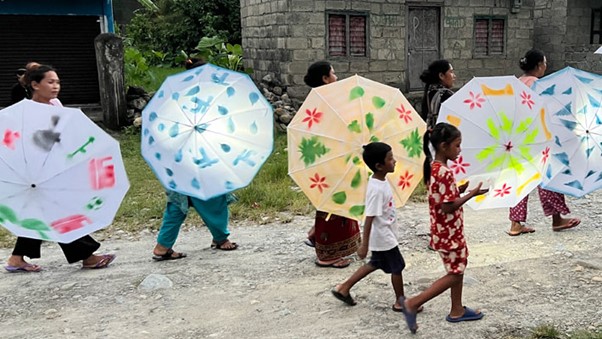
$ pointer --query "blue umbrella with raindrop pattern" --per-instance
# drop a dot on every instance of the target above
(207, 131)
(573, 98)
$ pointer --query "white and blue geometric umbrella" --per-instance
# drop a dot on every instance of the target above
(573, 100)
(207, 131)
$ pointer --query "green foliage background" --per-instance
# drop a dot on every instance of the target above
(173, 25)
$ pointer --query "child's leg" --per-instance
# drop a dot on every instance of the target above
(457, 309)
(397, 282)
(438, 287)
(361, 272)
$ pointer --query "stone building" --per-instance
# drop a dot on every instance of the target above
(392, 41)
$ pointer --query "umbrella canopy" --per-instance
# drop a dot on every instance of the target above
(61, 176)
(505, 140)
(207, 131)
(598, 51)
(326, 136)
(573, 98)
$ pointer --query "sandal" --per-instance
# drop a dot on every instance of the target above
(523, 230)
(223, 246)
(102, 263)
(169, 255)
(27, 268)
(570, 224)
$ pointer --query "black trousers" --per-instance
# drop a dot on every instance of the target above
(75, 251)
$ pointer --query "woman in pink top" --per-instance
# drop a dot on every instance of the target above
(534, 66)
(44, 86)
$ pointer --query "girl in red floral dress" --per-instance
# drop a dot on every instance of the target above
(447, 225)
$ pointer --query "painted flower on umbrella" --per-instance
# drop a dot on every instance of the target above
(513, 143)
(474, 100)
(459, 166)
(404, 114)
(526, 99)
(545, 155)
(318, 182)
(312, 116)
(501, 192)
(405, 180)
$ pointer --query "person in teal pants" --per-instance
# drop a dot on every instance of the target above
(214, 213)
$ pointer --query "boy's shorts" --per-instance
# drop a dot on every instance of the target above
(389, 261)
(455, 261)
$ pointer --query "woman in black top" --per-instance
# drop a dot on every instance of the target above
(438, 79)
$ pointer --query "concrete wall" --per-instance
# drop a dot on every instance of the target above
(283, 37)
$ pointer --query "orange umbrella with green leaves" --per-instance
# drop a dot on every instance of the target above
(326, 136)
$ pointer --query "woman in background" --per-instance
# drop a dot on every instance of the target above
(333, 237)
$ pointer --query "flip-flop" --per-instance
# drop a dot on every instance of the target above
(410, 316)
(395, 309)
(24, 268)
(347, 299)
(309, 242)
(319, 264)
(523, 230)
(469, 315)
(102, 263)
(572, 223)
(169, 256)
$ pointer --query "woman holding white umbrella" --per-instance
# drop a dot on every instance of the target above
(534, 65)
(44, 84)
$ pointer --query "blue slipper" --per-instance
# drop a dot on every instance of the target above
(410, 316)
(469, 314)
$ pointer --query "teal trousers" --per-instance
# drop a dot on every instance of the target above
(214, 213)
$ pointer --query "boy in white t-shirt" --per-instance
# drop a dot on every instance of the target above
(380, 229)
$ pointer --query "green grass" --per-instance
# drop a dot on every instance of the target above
(547, 331)
(158, 74)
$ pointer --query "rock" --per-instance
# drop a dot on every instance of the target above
(268, 79)
(154, 282)
(589, 264)
(68, 286)
(277, 90)
(286, 118)
(597, 279)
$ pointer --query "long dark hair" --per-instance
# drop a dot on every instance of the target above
(430, 76)
(531, 59)
(316, 73)
(443, 132)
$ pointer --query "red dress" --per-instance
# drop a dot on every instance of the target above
(447, 229)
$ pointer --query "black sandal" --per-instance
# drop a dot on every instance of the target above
(217, 246)
(169, 255)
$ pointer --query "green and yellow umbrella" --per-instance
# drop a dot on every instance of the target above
(326, 136)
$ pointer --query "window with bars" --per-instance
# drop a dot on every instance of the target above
(596, 34)
(347, 35)
(489, 36)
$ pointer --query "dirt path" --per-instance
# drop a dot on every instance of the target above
(270, 288)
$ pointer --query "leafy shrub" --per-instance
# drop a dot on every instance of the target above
(217, 51)
(169, 26)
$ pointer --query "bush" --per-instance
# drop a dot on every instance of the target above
(169, 26)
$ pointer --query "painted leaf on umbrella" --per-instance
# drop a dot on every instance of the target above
(370, 121)
(311, 149)
(357, 179)
(413, 144)
(356, 92)
(7, 214)
(354, 127)
(357, 210)
(378, 102)
(36, 225)
(339, 197)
